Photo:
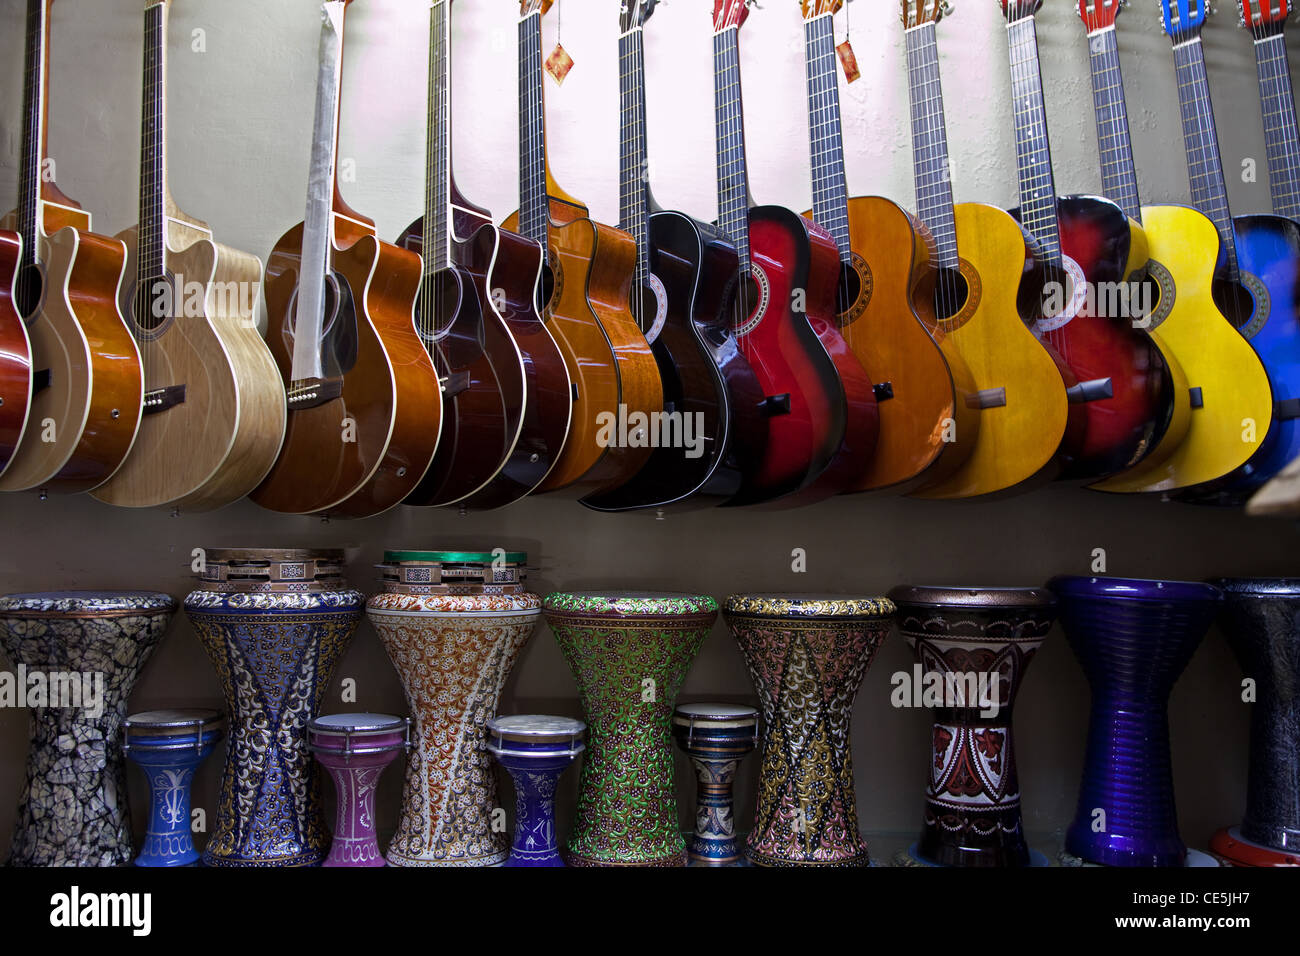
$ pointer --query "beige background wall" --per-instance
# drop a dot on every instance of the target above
(240, 130)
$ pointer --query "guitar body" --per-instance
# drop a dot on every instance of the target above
(1021, 383)
(587, 287)
(1216, 360)
(889, 324)
(1268, 257)
(823, 442)
(15, 353)
(95, 386)
(364, 451)
(706, 380)
(217, 444)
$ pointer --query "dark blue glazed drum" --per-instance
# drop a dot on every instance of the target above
(716, 738)
(536, 750)
(169, 745)
(1133, 639)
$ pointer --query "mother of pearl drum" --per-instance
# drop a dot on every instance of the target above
(629, 652)
(355, 749)
(275, 624)
(983, 637)
(807, 656)
(1133, 638)
(453, 624)
(716, 737)
(73, 809)
(536, 750)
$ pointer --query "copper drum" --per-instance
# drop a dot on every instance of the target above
(807, 655)
(275, 623)
(90, 647)
(972, 646)
(453, 624)
(716, 738)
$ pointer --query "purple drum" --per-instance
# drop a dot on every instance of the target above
(536, 750)
(354, 749)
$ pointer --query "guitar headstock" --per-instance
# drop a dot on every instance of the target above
(729, 13)
(1013, 11)
(816, 8)
(1100, 14)
(918, 12)
(1183, 19)
(1264, 18)
(533, 6)
(634, 13)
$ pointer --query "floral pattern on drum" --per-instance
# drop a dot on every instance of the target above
(629, 653)
(807, 670)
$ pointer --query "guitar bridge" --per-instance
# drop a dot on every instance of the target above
(987, 398)
(775, 405)
(454, 384)
(1091, 391)
(160, 399)
(310, 392)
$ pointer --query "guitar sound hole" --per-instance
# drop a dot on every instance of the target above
(1235, 302)
(30, 291)
(848, 289)
(155, 302)
(950, 293)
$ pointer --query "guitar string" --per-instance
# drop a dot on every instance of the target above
(1278, 107)
(1208, 179)
(830, 186)
(732, 179)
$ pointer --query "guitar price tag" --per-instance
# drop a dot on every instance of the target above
(848, 61)
(558, 64)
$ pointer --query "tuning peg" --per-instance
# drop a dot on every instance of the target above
(945, 8)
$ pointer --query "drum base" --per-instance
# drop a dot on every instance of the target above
(1232, 849)
(762, 859)
(676, 859)
(1194, 858)
(488, 859)
(910, 857)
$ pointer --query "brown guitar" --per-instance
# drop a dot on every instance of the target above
(364, 404)
(587, 294)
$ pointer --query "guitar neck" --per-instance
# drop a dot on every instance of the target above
(1282, 144)
(534, 214)
(1201, 144)
(36, 66)
(829, 187)
(437, 177)
(634, 190)
(934, 202)
(152, 237)
(1033, 153)
(729, 134)
(1114, 142)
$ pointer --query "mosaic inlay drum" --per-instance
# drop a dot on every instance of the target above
(716, 738)
(355, 749)
(1133, 638)
(536, 750)
(629, 652)
(275, 624)
(972, 646)
(807, 656)
(453, 624)
(77, 655)
(169, 745)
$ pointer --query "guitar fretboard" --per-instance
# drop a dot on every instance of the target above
(829, 188)
(533, 208)
(1033, 153)
(437, 176)
(1201, 144)
(153, 149)
(634, 191)
(1282, 145)
(1114, 142)
(930, 170)
(729, 122)
(29, 175)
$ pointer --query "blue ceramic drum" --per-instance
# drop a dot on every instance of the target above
(1133, 639)
(275, 624)
(169, 745)
(77, 655)
(716, 738)
(536, 750)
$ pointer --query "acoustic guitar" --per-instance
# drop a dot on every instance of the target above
(1131, 391)
(586, 300)
(683, 292)
(1227, 382)
(982, 258)
(929, 423)
(819, 399)
(213, 411)
(505, 387)
(1258, 282)
(365, 410)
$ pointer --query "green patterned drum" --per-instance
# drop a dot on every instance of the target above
(629, 652)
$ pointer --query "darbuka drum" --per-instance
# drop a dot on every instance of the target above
(1133, 638)
(716, 737)
(275, 624)
(355, 749)
(453, 624)
(807, 656)
(972, 646)
(1261, 618)
(629, 653)
(169, 745)
(536, 750)
(90, 647)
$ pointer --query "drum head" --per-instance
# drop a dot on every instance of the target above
(164, 723)
(535, 727)
(703, 712)
(808, 606)
(89, 603)
(453, 557)
(356, 725)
